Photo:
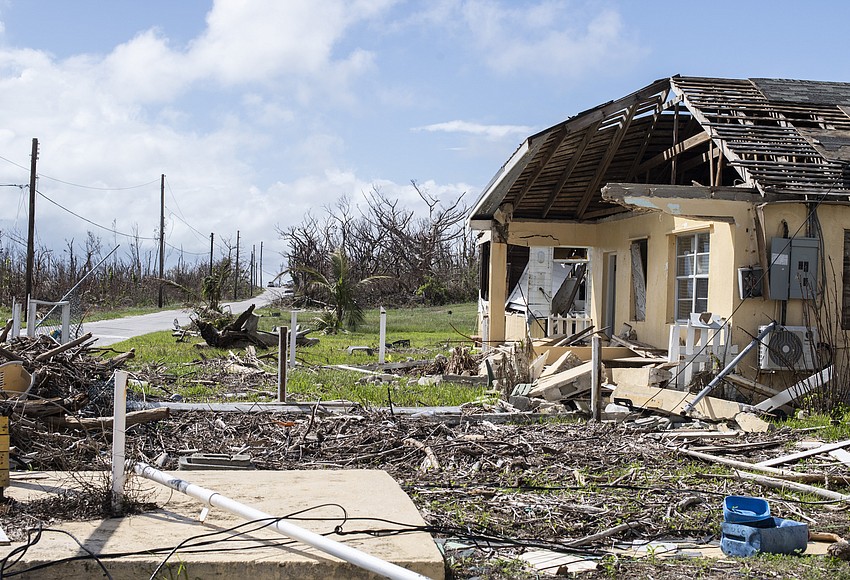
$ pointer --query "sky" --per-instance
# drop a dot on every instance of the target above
(258, 112)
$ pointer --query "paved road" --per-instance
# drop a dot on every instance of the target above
(111, 331)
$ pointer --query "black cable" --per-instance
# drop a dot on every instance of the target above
(20, 551)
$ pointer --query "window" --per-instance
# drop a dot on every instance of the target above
(484, 271)
(691, 274)
(639, 251)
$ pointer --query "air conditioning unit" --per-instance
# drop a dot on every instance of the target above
(788, 348)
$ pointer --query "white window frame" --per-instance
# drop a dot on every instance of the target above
(697, 273)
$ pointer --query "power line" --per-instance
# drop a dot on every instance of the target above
(72, 184)
(97, 225)
(97, 188)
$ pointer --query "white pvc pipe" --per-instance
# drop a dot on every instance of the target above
(293, 336)
(119, 426)
(342, 551)
(382, 348)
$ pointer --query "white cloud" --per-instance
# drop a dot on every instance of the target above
(489, 131)
(552, 38)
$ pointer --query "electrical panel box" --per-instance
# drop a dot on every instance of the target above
(793, 268)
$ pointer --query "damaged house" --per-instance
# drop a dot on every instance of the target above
(692, 207)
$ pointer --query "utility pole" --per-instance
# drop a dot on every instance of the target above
(236, 270)
(31, 226)
(253, 270)
(212, 238)
(161, 238)
(261, 264)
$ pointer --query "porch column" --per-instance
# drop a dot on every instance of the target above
(498, 291)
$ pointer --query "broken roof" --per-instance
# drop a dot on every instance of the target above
(774, 138)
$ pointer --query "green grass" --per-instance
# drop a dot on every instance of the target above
(822, 426)
(428, 329)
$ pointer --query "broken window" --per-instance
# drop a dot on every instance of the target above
(691, 274)
(845, 284)
(484, 271)
(639, 249)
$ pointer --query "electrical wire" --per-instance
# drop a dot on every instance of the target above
(95, 188)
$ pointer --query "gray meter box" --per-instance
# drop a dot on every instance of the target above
(793, 268)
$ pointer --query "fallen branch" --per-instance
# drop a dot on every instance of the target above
(603, 534)
(63, 347)
(782, 484)
(105, 423)
(782, 474)
(431, 461)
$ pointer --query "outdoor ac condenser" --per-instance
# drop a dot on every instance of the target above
(788, 348)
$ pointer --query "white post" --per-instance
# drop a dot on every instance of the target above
(30, 317)
(382, 348)
(485, 334)
(596, 377)
(66, 322)
(293, 335)
(16, 319)
(332, 547)
(119, 423)
(281, 363)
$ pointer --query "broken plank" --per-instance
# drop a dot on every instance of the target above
(671, 402)
(796, 391)
(639, 348)
(803, 454)
(841, 455)
(751, 385)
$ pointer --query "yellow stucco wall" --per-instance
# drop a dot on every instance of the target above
(733, 244)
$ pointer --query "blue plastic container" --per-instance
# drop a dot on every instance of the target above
(743, 509)
(782, 537)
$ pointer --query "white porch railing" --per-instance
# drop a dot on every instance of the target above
(568, 325)
(695, 344)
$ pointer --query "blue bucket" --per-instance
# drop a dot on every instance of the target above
(743, 509)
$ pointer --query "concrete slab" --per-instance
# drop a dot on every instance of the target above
(258, 554)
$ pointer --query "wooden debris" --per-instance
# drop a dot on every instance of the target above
(563, 384)
(750, 385)
(671, 402)
(431, 461)
(825, 448)
(841, 455)
(780, 474)
(105, 423)
(796, 391)
(241, 332)
(784, 484)
(557, 563)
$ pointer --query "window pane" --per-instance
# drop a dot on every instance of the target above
(702, 243)
(701, 305)
(702, 288)
(684, 289)
(683, 309)
(702, 264)
(685, 266)
(684, 245)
